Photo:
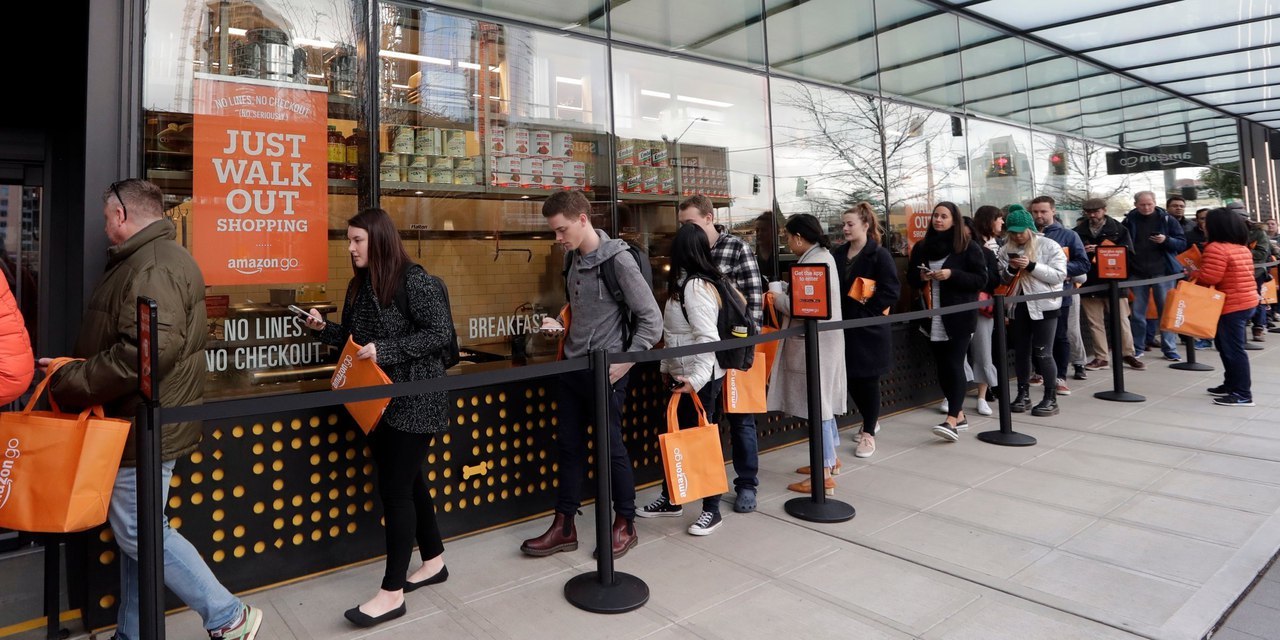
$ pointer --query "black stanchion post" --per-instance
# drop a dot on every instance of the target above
(150, 510)
(1006, 436)
(816, 508)
(604, 590)
(1190, 364)
(52, 588)
(1117, 393)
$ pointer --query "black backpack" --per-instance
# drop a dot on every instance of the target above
(449, 354)
(609, 273)
(733, 321)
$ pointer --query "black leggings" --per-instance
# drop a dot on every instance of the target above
(866, 396)
(949, 357)
(406, 502)
(1033, 342)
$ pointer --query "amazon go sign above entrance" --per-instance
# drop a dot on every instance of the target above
(1165, 157)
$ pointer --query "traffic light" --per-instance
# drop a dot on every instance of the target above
(1058, 162)
(755, 185)
(1001, 166)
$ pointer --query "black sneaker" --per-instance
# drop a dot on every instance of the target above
(1079, 373)
(1220, 390)
(1233, 400)
(660, 508)
(946, 432)
(706, 523)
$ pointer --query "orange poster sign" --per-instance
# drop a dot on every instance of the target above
(260, 198)
(1112, 262)
(810, 291)
(917, 226)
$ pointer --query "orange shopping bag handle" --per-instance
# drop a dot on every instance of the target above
(54, 365)
(673, 421)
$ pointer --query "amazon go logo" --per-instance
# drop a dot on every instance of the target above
(10, 458)
(682, 480)
(340, 378)
(1162, 158)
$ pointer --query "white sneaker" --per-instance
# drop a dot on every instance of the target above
(945, 407)
(984, 408)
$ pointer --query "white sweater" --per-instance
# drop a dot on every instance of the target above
(703, 306)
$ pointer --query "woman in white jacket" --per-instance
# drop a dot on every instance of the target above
(788, 388)
(1038, 265)
(691, 317)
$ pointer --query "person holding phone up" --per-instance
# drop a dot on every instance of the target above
(407, 348)
(1034, 263)
(950, 267)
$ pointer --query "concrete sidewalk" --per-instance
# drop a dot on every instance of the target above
(1125, 520)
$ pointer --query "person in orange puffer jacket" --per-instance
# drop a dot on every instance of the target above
(1228, 266)
(15, 347)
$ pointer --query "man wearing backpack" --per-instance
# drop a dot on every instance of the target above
(598, 320)
(734, 259)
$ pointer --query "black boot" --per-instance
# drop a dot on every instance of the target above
(991, 393)
(1022, 403)
(1048, 405)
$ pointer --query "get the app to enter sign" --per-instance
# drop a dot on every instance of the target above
(810, 291)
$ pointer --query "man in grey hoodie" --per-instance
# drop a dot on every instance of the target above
(597, 321)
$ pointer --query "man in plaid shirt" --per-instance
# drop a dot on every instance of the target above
(734, 259)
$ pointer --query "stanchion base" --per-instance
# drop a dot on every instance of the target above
(1010, 439)
(627, 593)
(808, 510)
(1191, 366)
(1119, 396)
(1253, 346)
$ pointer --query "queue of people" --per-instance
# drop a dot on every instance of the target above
(400, 316)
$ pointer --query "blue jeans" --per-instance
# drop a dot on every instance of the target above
(185, 572)
(1168, 344)
(1235, 362)
(746, 450)
(830, 438)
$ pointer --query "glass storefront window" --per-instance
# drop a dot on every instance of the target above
(829, 40)
(580, 16)
(243, 105)
(685, 128)
(1072, 171)
(728, 30)
(1000, 164)
(479, 123)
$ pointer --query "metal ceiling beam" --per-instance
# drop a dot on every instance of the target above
(1104, 14)
(728, 31)
(856, 39)
(1166, 36)
(1201, 57)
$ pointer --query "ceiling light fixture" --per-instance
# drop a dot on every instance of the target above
(655, 94)
(415, 58)
(564, 80)
(704, 101)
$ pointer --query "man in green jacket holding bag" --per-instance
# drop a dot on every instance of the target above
(144, 260)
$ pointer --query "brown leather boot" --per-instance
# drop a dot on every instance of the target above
(561, 536)
(623, 537)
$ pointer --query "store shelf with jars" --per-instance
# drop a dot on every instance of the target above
(659, 171)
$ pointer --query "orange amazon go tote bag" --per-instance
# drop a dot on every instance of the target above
(353, 373)
(744, 391)
(771, 324)
(57, 469)
(1192, 310)
(691, 457)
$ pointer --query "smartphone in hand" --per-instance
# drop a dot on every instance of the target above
(299, 311)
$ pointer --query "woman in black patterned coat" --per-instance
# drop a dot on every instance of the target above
(407, 348)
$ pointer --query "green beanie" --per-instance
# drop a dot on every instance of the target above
(1018, 220)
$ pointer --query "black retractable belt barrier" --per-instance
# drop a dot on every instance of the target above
(1117, 393)
(1190, 364)
(604, 590)
(1006, 436)
(150, 510)
(816, 508)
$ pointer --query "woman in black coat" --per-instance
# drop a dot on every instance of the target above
(951, 268)
(867, 350)
(406, 348)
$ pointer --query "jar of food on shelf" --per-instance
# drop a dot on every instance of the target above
(455, 143)
(403, 139)
(644, 153)
(441, 176)
(389, 168)
(418, 173)
(353, 147)
(562, 145)
(517, 142)
(541, 143)
(658, 153)
(554, 174)
(531, 170)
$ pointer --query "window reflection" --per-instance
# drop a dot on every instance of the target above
(730, 30)
(1000, 157)
(1072, 171)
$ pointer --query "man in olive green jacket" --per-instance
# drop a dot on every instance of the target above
(144, 260)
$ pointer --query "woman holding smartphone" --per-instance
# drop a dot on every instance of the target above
(691, 317)
(1035, 264)
(988, 225)
(951, 269)
(788, 387)
(407, 347)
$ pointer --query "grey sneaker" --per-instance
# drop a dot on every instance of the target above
(706, 523)
(245, 628)
(746, 501)
(660, 508)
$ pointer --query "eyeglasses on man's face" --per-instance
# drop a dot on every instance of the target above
(115, 189)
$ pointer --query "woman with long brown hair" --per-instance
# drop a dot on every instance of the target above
(867, 350)
(407, 347)
(950, 268)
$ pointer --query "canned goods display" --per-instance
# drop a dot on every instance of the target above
(626, 151)
(497, 140)
(658, 154)
(644, 153)
(666, 181)
(554, 174)
(465, 164)
(441, 176)
(464, 177)
(576, 173)
(531, 172)
(517, 142)
(442, 162)
(427, 142)
(648, 179)
(455, 143)
(403, 139)
(562, 145)
(541, 143)
(418, 174)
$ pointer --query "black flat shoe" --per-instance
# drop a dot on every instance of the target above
(364, 620)
(440, 576)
